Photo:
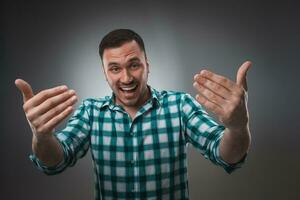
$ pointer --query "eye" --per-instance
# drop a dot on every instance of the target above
(134, 65)
(115, 69)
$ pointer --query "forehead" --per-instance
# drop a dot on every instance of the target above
(123, 53)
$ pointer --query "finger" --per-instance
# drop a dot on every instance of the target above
(50, 125)
(241, 77)
(57, 110)
(25, 88)
(44, 95)
(221, 80)
(211, 96)
(213, 86)
(209, 105)
(49, 104)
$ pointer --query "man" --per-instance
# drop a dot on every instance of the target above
(138, 136)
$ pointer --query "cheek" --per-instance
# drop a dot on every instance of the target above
(111, 82)
(145, 76)
(142, 75)
(111, 79)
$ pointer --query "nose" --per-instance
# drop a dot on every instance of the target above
(126, 77)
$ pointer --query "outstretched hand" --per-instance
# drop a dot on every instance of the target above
(45, 110)
(225, 98)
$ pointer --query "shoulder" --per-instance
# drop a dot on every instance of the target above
(94, 103)
(180, 101)
(184, 99)
(170, 96)
(91, 106)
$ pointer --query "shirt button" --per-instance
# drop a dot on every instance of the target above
(132, 133)
(132, 162)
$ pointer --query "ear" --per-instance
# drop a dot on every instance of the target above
(104, 72)
(147, 64)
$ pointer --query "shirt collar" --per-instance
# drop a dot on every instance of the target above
(156, 96)
(155, 99)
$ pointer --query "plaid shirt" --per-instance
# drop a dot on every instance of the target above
(143, 158)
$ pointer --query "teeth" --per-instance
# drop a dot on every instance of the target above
(128, 88)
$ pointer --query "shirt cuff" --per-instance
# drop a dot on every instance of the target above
(53, 169)
(45, 169)
(229, 168)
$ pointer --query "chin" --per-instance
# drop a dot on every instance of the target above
(128, 99)
(129, 103)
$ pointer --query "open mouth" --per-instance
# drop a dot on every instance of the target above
(130, 88)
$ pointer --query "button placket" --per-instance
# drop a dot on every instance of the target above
(133, 189)
(132, 162)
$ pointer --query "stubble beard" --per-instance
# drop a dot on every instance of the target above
(137, 101)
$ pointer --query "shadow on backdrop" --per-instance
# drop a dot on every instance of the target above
(50, 44)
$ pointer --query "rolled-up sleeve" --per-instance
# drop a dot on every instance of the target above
(74, 140)
(204, 133)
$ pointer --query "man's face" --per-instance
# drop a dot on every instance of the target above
(126, 71)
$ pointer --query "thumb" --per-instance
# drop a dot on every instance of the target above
(25, 88)
(241, 77)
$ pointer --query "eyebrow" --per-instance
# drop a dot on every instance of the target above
(134, 59)
(130, 60)
(112, 64)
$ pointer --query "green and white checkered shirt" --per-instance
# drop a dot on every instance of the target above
(143, 158)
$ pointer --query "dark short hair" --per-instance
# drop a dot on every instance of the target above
(117, 38)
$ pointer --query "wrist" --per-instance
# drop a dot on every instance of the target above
(238, 131)
(41, 138)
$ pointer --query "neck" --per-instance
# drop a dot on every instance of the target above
(132, 110)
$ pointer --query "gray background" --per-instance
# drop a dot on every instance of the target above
(49, 44)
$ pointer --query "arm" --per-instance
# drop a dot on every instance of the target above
(47, 150)
(235, 145)
(228, 100)
(44, 111)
